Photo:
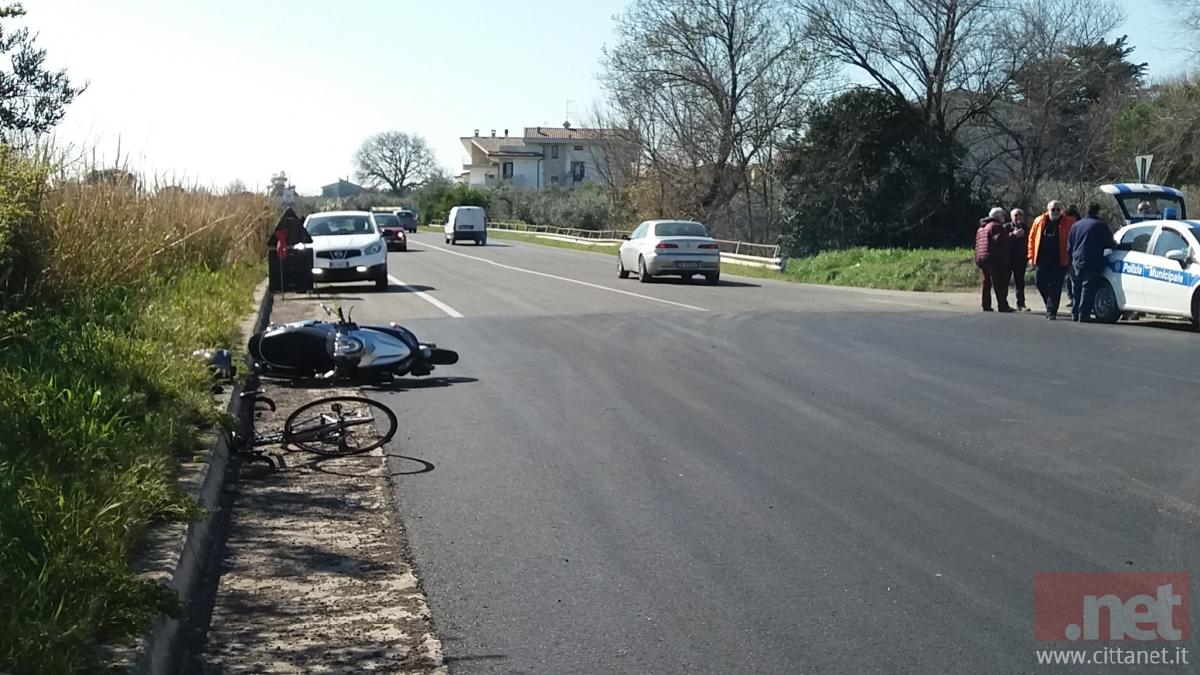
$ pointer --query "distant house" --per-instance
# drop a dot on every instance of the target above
(544, 157)
(341, 190)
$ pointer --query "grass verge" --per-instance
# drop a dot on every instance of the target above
(895, 269)
(887, 268)
(99, 401)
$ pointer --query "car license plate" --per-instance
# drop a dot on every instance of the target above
(687, 264)
(338, 264)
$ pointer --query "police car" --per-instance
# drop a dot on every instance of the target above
(1160, 273)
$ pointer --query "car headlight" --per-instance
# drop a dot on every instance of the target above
(374, 248)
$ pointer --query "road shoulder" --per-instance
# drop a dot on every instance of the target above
(313, 575)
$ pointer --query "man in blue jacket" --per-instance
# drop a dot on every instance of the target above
(1090, 238)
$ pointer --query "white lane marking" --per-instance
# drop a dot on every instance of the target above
(569, 280)
(454, 313)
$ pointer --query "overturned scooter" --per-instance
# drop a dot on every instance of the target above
(343, 350)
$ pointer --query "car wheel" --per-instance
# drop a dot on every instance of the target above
(1105, 306)
(404, 248)
(1196, 310)
(712, 278)
(643, 275)
(381, 281)
(622, 273)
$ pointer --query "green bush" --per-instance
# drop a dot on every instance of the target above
(99, 399)
(587, 207)
(23, 240)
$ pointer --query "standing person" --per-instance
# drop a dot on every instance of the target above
(1072, 211)
(991, 257)
(1046, 249)
(1017, 236)
(1088, 240)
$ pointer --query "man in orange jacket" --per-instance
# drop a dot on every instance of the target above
(1046, 248)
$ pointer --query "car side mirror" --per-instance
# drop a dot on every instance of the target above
(625, 237)
(1178, 255)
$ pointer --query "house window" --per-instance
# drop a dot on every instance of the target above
(577, 171)
(554, 152)
(554, 180)
(507, 169)
(579, 148)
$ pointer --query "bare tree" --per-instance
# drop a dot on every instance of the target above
(393, 158)
(953, 58)
(1187, 14)
(707, 85)
(1065, 95)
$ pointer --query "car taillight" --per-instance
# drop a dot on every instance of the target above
(666, 245)
(709, 246)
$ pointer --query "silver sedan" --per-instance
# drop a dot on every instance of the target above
(669, 248)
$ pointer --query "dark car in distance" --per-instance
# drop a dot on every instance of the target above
(408, 219)
(393, 231)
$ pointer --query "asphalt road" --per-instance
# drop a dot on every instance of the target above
(763, 477)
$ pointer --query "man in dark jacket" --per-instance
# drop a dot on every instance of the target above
(991, 257)
(1089, 239)
(1016, 254)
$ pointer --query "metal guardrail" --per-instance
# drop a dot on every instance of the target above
(735, 252)
(613, 235)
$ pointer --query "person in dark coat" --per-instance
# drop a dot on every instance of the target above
(991, 257)
(1072, 211)
(1017, 249)
(1088, 241)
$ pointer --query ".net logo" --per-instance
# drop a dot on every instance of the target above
(1111, 606)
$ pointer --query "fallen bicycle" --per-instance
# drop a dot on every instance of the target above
(333, 426)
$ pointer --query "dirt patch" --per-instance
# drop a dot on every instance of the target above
(312, 576)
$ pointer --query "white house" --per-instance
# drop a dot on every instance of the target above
(543, 157)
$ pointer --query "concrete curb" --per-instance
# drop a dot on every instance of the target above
(176, 554)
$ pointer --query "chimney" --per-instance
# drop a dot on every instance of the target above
(493, 133)
(506, 133)
(476, 133)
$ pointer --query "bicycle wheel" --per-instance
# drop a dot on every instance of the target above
(340, 425)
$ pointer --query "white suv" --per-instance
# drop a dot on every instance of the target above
(347, 246)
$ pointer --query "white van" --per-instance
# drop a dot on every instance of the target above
(466, 222)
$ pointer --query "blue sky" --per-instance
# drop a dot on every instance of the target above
(215, 90)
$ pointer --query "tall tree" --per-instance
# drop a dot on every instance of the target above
(1056, 119)
(950, 57)
(1161, 122)
(395, 159)
(277, 185)
(32, 98)
(706, 85)
(869, 171)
